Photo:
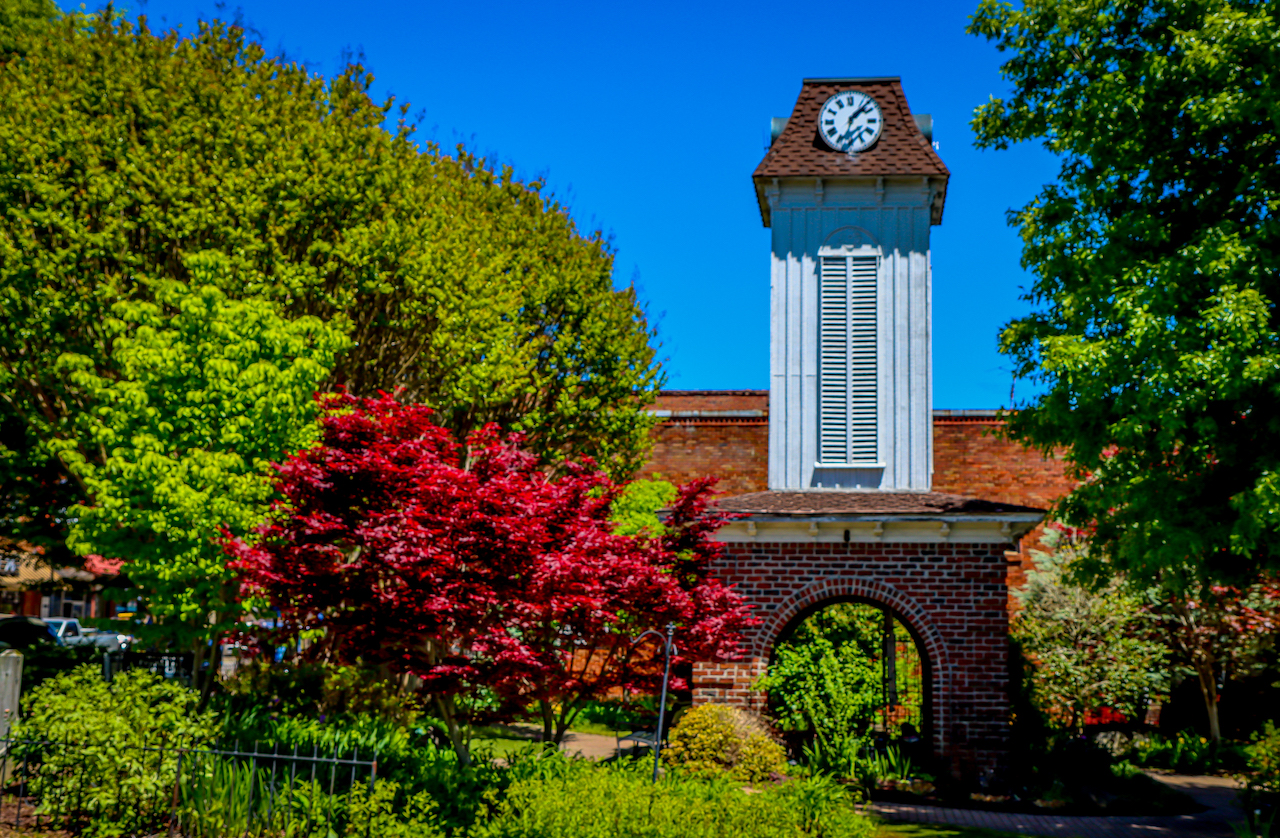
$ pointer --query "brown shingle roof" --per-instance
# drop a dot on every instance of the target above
(867, 503)
(800, 152)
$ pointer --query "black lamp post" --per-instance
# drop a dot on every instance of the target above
(668, 648)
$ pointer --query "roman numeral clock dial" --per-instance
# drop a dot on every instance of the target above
(850, 121)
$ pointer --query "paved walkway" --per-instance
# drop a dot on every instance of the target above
(588, 745)
(1217, 793)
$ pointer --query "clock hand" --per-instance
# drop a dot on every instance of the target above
(856, 114)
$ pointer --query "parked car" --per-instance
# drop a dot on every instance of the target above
(23, 632)
(69, 631)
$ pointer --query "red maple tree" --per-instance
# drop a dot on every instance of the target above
(471, 566)
(1214, 629)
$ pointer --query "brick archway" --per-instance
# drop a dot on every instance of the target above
(860, 588)
(782, 620)
(952, 596)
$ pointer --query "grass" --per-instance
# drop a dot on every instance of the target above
(598, 728)
(933, 830)
(500, 739)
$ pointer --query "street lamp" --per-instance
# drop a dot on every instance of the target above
(668, 648)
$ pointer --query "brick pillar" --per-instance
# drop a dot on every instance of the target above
(730, 683)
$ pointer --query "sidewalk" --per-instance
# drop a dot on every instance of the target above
(1218, 793)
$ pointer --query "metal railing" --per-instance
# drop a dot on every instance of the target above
(180, 789)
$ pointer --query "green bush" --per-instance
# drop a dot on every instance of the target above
(1260, 795)
(833, 690)
(43, 661)
(1263, 758)
(1186, 753)
(316, 690)
(223, 798)
(714, 739)
(621, 802)
(114, 739)
(408, 757)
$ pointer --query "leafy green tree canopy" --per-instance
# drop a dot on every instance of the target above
(1155, 255)
(123, 151)
(207, 392)
(1090, 648)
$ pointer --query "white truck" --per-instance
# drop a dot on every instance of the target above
(71, 633)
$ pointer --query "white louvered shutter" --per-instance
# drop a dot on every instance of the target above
(847, 359)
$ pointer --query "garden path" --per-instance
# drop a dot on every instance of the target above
(588, 745)
(1217, 793)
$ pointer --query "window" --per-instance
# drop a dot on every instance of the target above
(847, 360)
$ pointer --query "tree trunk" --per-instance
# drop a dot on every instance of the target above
(1209, 689)
(549, 740)
(461, 746)
(568, 712)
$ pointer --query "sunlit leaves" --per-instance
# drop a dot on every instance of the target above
(207, 393)
(1156, 258)
(124, 150)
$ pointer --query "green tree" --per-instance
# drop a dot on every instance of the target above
(637, 507)
(1090, 649)
(1218, 634)
(829, 677)
(205, 394)
(1154, 337)
(123, 151)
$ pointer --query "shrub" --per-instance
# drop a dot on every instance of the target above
(225, 798)
(715, 738)
(42, 661)
(1186, 753)
(317, 690)
(116, 739)
(833, 690)
(1260, 797)
(621, 802)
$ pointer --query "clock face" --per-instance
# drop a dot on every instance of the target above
(850, 121)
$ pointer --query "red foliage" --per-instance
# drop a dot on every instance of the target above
(472, 565)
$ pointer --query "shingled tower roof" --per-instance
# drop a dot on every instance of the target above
(902, 150)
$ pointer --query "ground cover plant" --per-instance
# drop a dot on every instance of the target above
(619, 802)
(1185, 752)
(423, 790)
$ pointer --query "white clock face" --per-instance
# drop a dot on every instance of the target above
(850, 121)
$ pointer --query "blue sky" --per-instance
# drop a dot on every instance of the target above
(647, 120)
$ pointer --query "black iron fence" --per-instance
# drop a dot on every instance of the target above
(176, 788)
(179, 666)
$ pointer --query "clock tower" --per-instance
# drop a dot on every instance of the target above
(850, 188)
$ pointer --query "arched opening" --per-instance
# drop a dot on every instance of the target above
(852, 661)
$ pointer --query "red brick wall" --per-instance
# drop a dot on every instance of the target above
(736, 453)
(969, 459)
(713, 400)
(952, 596)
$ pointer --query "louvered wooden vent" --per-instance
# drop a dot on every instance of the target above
(847, 360)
